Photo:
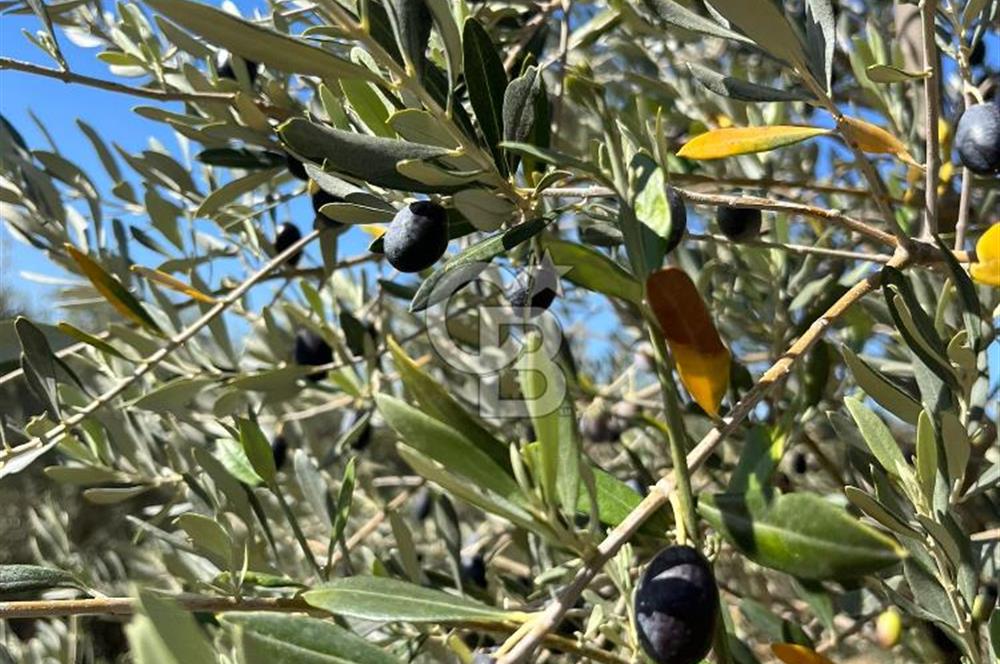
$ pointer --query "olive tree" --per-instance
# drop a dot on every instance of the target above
(612, 331)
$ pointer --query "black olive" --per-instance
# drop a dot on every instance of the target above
(676, 606)
(978, 138)
(287, 235)
(473, 570)
(312, 350)
(678, 219)
(279, 448)
(296, 167)
(738, 223)
(417, 237)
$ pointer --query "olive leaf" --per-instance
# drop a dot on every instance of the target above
(740, 90)
(25, 578)
(113, 291)
(256, 43)
(486, 81)
(593, 270)
(389, 600)
(369, 158)
(766, 24)
(800, 534)
(677, 15)
(733, 141)
(888, 395)
(821, 39)
(275, 638)
(411, 23)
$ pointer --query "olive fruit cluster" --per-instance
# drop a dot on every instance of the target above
(738, 223)
(417, 236)
(676, 606)
(311, 350)
(978, 138)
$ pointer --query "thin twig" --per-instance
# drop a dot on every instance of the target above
(126, 606)
(931, 103)
(793, 248)
(754, 202)
(49, 438)
(660, 494)
(111, 86)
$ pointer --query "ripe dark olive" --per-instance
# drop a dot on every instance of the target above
(599, 427)
(417, 237)
(296, 167)
(474, 570)
(534, 291)
(421, 505)
(321, 198)
(800, 464)
(978, 55)
(676, 605)
(978, 138)
(224, 67)
(678, 219)
(287, 235)
(311, 350)
(279, 448)
(738, 224)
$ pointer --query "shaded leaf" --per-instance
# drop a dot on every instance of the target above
(258, 450)
(741, 90)
(766, 24)
(878, 437)
(888, 395)
(890, 74)
(26, 578)
(369, 158)
(486, 81)
(677, 15)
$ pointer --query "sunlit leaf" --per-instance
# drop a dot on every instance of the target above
(791, 653)
(113, 291)
(173, 284)
(871, 138)
(702, 360)
(986, 269)
(732, 141)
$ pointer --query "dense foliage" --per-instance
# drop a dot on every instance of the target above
(472, 331)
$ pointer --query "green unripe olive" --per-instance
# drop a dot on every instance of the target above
(978, 138)
(738, 223)
(287, 235)
(676, 606)
(985, 602)
(417, 236)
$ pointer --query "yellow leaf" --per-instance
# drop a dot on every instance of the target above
(374, 230)
(986, 269)
(870, 138)
(112, 290)
(702, 360)
(790, 653)
(732, 141)
(174, 284)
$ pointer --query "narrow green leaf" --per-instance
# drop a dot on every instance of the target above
(544, 388)
(446, 446)
(411, 24)
(740, 90)
(390, 600)
(435, 400)
(466, 266)
(177, 629)
(257, 450)
(890, 74)
(876, 510)
(801, 534)
(593, 270)
(256, 43)
(888, 395)
(878, 437)
(26, 578)
(208, 537)
(675, 14)
(927, 456)
(113, 291)
(278, 638)
(486, 81)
